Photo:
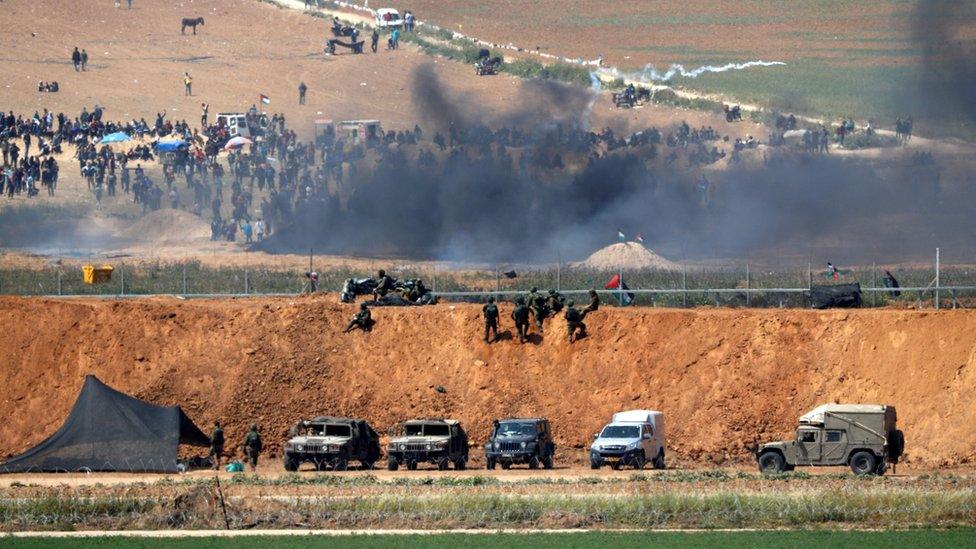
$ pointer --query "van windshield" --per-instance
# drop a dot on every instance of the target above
(620, 431)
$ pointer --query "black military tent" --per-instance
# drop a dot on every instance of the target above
(111, 431)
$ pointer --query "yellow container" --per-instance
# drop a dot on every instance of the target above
(96, 275)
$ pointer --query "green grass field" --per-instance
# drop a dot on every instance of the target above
(781, 539)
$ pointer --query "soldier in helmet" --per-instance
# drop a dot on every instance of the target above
(252, 446)
(574, 322)
(216, 444)
(537, 303)
(490, 312)
(384, 285)
(521, 317)
(363, 320)
(594, 303)
(554, 302)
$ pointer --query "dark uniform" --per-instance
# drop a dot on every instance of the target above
(363, 320)
(594, 303)
(216, 444)
(537, 303)
(252, 446)
(555, 302)
(302, 88)
(521, 317)
(574, 322)
(383, 286)
(490, 311)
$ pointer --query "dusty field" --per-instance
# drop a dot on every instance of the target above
(724, 377)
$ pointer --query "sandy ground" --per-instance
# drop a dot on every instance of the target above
(725, 378)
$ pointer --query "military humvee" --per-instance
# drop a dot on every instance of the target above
(515, 440)
(862, 436)
(332, 442)
(438, 441)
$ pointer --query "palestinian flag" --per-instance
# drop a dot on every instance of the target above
(615, 283)
(265, 99)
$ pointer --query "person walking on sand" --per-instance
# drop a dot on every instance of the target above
(76, 59)
(187, 84)
(84, 60)
(302, 89)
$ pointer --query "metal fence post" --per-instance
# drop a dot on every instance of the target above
(748, 287)
(59, 281)
(246, 289)
(937, 278)
(122, 276)
(874, 284)
(184, 278)
(684, 286)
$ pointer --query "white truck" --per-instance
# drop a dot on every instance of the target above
(632, 438)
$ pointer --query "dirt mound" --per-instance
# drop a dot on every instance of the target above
(723, 377)
(627, 255)
(168, 226)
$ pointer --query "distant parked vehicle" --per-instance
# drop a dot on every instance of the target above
(631, 438)
(438, 441)
(388, 17)
(863, 436)
(332, 442)
(516, 440)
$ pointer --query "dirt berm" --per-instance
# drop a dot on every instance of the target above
(723, 377)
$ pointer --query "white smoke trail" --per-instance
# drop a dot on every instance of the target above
(649, 73)
(595, 86)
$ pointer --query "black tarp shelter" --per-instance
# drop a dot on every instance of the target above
(111, 431)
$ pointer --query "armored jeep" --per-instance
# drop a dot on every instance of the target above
(438, 441)
(862, 436)
(518, 440)
(332, 442)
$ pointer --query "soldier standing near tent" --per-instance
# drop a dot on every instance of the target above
(521, 317)
(216, 444)
(490, 311)
(252, 446)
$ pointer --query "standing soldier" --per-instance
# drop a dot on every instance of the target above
(252, 446)
(594, 303)
(538, 305)
(216, 444)
(363, 320)
(574, 322)
(521, 317)
(490, 311)
(554, 302)
(302, 88)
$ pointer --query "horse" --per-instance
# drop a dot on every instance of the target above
(192, 23)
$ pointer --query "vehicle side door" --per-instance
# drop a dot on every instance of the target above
(454, 441)
(834, 446)
(808, 448)
(647, 440)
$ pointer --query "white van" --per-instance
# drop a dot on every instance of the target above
(388, 17)
(235, 122)
(632, 438)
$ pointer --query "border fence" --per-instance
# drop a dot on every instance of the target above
(920, 286)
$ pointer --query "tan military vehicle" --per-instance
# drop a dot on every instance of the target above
(862, 436)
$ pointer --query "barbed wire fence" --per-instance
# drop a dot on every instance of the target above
(744, 285)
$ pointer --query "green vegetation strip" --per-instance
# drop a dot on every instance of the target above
(782, 539)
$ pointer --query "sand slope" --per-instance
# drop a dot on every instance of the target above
(722, 376)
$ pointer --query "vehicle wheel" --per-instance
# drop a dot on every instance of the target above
(392, 465)
(320, 465)
(534, 462)
(411, 465)
(367, 465)
(340, 465)
(659, 460)
(460, 464)
(771, 462)
(615, 466)
(863, 463)
(594, 465)
(639, 461)
(442, 464)
(506, 465)
(490, 464)
(290, 463)
(548, 462)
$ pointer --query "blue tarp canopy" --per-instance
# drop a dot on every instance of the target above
(117, 137)
(170, 146)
